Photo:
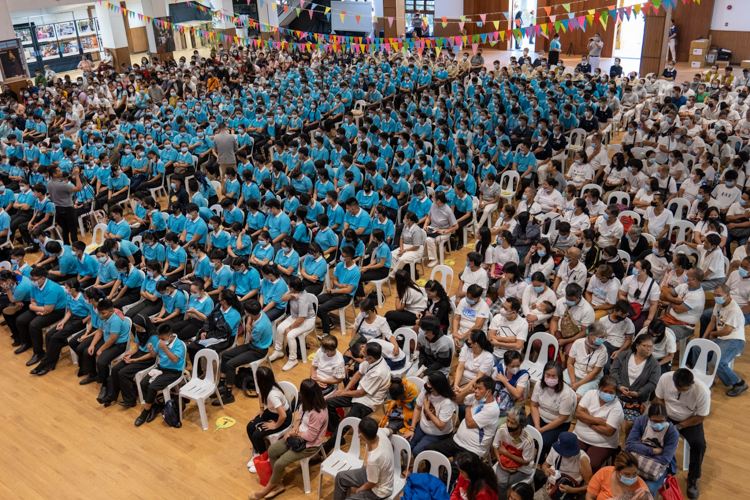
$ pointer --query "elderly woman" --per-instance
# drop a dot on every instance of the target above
(514, 450)
(634, 242)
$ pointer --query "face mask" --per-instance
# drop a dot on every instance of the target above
(607, 398)
(658, 427)
(541, 253)
(173, 186)
(605, 216)
(598, 341)
(471, 302)
(742, 272)
(539, 289)
(551, 382)
(719, 300)
(102, 260)
(684, 278)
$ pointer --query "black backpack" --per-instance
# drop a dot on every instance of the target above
(171, 414)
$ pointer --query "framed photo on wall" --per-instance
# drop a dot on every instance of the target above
(65, 30)
(24, 34)
(12, 60)
(46, 33)
(86, 27)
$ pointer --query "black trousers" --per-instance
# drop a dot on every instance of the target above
(129, 297)
(11, 319)
(257, 434)
(57, 339)
(66, 219)
(329, 302)
(30, 326)
(397, 319)
(356, 410)
(187, 329)
(99, 366)
(104, 201)
(371, 275)
(20, 220)
(151, 389)
(238, 356)
(123, 374)
(313, 288)
(194, 347)
(80, 346)
(63, 278)
(697, 441)
(145, 309)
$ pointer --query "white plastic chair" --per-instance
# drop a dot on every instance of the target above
(514, 181)
(472, 224)
(700, 368)
(303, 338)
(682, 227)
(342, 314)
(418, 382)
(542, 220)
(97, 237)
(379, 287)
(199, 389)
(650, 238)
(217, 186)
(618, 197)
(446, 273)
(677, 205)
(292, 396)
(5, 265)
(625, 257)
(217, 209)
(256, 364)
(339, 460)
(577, 140)
(139, 376)
(436, 461)
(596, 187)
(400, 446)
(409, 337)
(735, 142)
(536, 368)
(538, 442)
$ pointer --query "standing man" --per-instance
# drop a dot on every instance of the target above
(554, 50)
(60, 192)
(225, 148)
(595, 51)
(671, 46)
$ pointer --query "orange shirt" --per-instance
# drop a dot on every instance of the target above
(601, 484)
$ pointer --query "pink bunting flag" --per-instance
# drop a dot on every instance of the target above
(390, 22)
(474, 47)
(461, 25)
(483, 17)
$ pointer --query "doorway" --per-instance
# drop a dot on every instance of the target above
(525, 11)
(629, 35)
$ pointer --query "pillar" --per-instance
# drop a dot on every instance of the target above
(114, 34)
(655, 34)
(157, 9)
(222, 26)
(267, 14)
(397, 10)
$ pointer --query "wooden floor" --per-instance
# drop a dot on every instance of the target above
(57, 442)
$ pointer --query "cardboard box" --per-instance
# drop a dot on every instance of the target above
(698, 51)
(702, 43)
(722, 64)
(745, 64)
(697, 64)
(712, 55)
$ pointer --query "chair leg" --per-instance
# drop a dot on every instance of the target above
(379, 290)
(685, 455)
(320, 484)
(342, 320)
(305, 465)
(303, 346)
(202, 409)
(179, 404)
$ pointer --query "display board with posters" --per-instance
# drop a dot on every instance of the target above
(24, 34)
(59, 45)
(90, 44)
(46, 33)
(86, 27)
(69, 48)
(66, 30)
(49, 50)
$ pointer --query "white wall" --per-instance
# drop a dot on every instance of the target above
(449, 8)
(45, 17)
(134, 22)
(736, 19)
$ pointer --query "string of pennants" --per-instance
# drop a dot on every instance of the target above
(568, 21)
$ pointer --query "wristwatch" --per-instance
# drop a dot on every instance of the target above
(679, 427)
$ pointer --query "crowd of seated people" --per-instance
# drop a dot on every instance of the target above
(355, 169)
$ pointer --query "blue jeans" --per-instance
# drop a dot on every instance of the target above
(420, 440)
(653, 486)
(729, 349)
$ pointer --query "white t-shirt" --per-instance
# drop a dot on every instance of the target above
(329, 367)
(577, 222)
(725, 196)
(375, 381)
(515, 289)
(473, 365)
(504, 255)
(567, 276)
(582, 313)
(587, 361)
(618, 332)
(580, 174)
(603, 293)
(380, 465)
(611, 412)
(634, 369)
(545, 267)
(387, 349)
(695, 300)
(568, 465)
(275, 399)
(694, 401)
(376, 330)
(518, 328)
(731, 315)
(470, 313)
(415, 301)
(548, 202)
(442, 408)
(553, 404)
(631, 285)
(485, 415)
(524, 443)
(608, 232)
(739, 288)
(712, 263)
(657, 223)
(478, 277)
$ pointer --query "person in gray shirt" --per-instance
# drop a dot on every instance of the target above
(439, 224)
(60, 192)
(490, 191)
(411, 246)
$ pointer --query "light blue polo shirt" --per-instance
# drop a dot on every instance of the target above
(272, 291)
(361, 220)
(235, 215)
(88, 266)
(133, 279)
(205, 305)
(153, 340)
(221, 278)
(290, 259)
(233, 318)
(245, 282)
(347, 276)
(149, 284)
(278, 224)
(178, 349)
(107, 272)
(335, 216)
(155, 252)
(317, 267)
(127, 248)
(176, 257)
(78, 307)
(247, 246)
(22, 290)
(266, 252)
(219, 239)
(122, 229)
(157, 217)
(420, 207)
(116, 326)
(176, 224)
(202, 268)
(50, 293)
(193, 227)
(327, 239)
(179, 301)
(384, 252)
(68, 262)
(262, 332)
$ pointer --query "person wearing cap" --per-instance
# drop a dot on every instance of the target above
(566, 458)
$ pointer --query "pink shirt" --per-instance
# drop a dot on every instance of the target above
(316, 427)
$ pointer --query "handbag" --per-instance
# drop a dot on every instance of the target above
(263, 468)
(509, 462)
(670, 490)
(568, 327)
(648, 468)
(638, 307)
(296, 443)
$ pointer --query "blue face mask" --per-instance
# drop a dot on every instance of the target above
(684, 278)
(539, 289)
(700, 197)
(658, 427)
(598, 341)
(730, 183)
(470, 301)
(482, 401)
(628, 481)
(607, 398)
(719, 300)
(635, 272)
(742, 272)
(570, 303)
(566, 260)
(655, 251)
(173, 186)
(541, 253)
(671, 265)
(102, 260)
(605, 216)
(524, 197)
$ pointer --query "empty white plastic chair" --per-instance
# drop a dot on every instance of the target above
(97, 237)
(445, 273)
(339, 460)
(199, 389)
(292, 395)
(379, 288)
(700, 367)
(436, 461)
(400, 446)
(618, 197)
(677, 206)
(625, 257)
(217, 209)
(409, 337)
(509, 184)
(682, 227)
(536, 368)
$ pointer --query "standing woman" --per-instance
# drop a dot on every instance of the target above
(310, 429)
(275, 412)
(380, 262)
(409, 302)
(553, 403)
(599, 417)
(475, 360)
(476, 480)
(637, 372)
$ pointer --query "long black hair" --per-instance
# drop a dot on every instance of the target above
(512, 268)
(437, 287)
(553, 365)
(479, 337)
(404, 282)
(311, 396)
(231, 298)
(266, 382)
(481, 476)
(547, 251)
(441, 385)
(485, 240)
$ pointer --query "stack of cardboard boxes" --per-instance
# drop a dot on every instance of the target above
(700, 52)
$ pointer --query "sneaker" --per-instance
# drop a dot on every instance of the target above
(432, 263)
(692, 490)
(225, 398)
(251, 465)
(275, 355)
(737, 389)
(292, 363)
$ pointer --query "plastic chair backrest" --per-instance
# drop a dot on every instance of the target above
(633, 215)
(700, 367)
(688, 160)
(400, 446)
(686, 250)
(436, 461)
(446, 272)
(618, 197)
(291, 393)
(98, 231)
(625, 257)
(217, 186)
(211, 357)
(681, 226)
(577, 138)
(547, 340)
(513, 180)
(409, 337)
(538, 441)
(639, 153)
(677, 206)
(5, 265)
(352, 422)
(217, 209)
(649, 237)
(137, 240)
(418, 382)
(735, 142)
(592, 186)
